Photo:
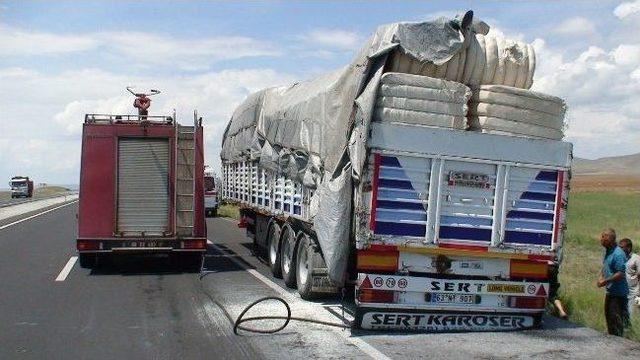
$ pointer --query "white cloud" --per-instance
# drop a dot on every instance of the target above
(19, 42)
(189, 54)
(601, 93)
(576, 26)
(627, 9)
(140, 48)
(626, 55)
(49, 120)
(333, 38)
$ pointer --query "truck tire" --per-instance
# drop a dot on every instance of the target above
(214, 212)
(288, 257)
(304, 269)
(88, 261)
(273, 249)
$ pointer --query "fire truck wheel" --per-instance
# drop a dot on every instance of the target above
(88, 261)
(288, 257)
(274, 249)
(304, 267)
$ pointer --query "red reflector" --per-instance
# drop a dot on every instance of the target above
(243, 223)
(83, 245)
(366, 283)
(195, 244)
(522, 302)
(375, 296)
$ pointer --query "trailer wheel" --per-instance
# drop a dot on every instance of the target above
(288, 257)
(88, 261)
(304, 269)
(274, 249)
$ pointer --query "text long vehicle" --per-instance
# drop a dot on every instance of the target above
(425, 284)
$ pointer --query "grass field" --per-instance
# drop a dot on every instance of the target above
(592, 207)
(38, 192)
(229, 210)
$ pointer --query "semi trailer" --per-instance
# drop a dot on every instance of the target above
(141, 188)
(21, 186)
(372, 177)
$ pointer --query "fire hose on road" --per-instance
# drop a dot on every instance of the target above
(237, 323)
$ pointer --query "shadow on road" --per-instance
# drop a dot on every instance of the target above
(138, 264)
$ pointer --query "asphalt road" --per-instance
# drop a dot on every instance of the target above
(150, 308)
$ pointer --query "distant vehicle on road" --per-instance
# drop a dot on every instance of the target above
(210, 194)
(141, 188)
(21, 186)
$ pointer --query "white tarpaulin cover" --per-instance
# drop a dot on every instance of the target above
(511, 111)
(422, 101)
(485, 59)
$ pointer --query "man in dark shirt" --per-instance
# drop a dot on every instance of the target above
(613, 278)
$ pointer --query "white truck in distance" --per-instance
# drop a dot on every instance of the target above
(398, 180)
(21, 186)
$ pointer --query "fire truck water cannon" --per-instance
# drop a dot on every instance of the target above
(142, 101)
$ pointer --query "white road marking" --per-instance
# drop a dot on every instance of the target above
(277, 288)
(361, 344)
(36, 215)
(229, 219)
(67, 268)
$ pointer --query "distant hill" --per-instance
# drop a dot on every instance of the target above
(614, 165)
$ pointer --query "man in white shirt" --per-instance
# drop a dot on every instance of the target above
(632, 271)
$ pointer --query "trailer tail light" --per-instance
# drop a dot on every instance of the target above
(84, 245)
(377, 260)
(194, 244)
(524, 302)
(376, 296)
(528, 269)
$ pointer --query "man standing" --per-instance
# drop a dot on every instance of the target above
(613, 277)
(633, 266)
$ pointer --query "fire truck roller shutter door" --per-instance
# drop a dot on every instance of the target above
(143, 189)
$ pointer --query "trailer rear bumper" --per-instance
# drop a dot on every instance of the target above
(138, 245)
(421, 320)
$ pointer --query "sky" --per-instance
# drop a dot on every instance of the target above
(60, 60)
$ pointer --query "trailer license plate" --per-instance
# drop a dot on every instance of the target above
(450, 298)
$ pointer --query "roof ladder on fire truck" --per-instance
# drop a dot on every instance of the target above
(185, 170)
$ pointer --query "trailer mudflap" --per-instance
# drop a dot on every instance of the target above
(415, 320)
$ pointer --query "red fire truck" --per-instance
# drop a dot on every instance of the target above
(141, 188)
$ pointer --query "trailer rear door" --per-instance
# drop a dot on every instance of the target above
(143, 189)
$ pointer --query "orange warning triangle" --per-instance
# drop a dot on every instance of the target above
(541, 291)
(366, 283)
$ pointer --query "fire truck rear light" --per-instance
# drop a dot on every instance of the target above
(523, 302)
(195, 244)
(83, 245)
(376, 296)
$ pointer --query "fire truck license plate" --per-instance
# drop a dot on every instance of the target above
(146, 244)
(450, 298)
